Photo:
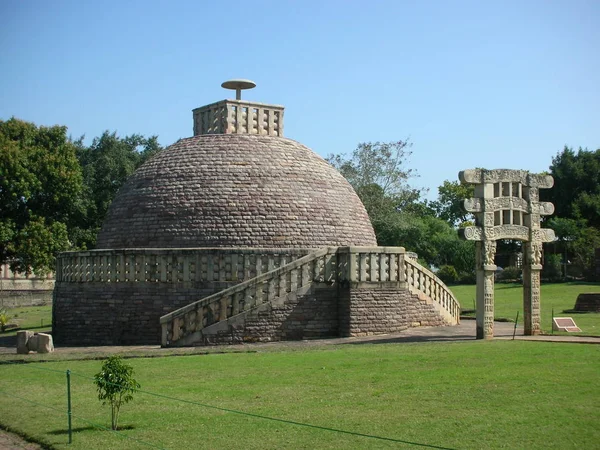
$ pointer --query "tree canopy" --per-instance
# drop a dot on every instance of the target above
(399, 215)
(576, 191)
(40, 184)
(54, 191)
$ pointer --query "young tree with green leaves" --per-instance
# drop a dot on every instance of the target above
(115, 385)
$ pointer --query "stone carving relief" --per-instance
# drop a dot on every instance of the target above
(519, 219)
(490, 252)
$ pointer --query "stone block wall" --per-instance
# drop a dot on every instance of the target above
(119, 313)
(322, 312)
(369, 310)
(309, 313)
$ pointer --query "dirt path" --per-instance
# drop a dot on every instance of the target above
(10, 441)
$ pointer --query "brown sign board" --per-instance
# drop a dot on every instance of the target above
(565, 324)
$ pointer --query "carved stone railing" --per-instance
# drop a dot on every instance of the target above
(345, 265)
(239, 117)
(371, 264)
(318, 266)
(171, 265)
(422, 281)
(393, 265)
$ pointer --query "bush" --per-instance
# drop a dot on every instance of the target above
(510, 273)
(467, 277)
(116, 385)
(448, 274)
(4, 318)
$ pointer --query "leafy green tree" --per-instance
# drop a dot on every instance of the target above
(576, 191)
(399, 216)
(106, 165)
(449, 205)
(40, 184)
(115, 385)
(377, 163)
(379, 175)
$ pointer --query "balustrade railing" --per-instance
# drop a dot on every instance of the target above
(318, 266)
(329, 265)
(420, 279)
(171, 265)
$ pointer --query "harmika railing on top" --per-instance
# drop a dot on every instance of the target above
(318, 266)
(171, 265)
(329, 265)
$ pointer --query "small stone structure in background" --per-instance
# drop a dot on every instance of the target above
(588, 302)
(28, 341)
(506, 206)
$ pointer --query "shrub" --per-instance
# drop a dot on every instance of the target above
(116, 385)
(467, 277)
(510, 273)
(4, 318)
(448, 274)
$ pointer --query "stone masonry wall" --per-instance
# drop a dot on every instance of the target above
(119, 313)
(309, 313)
(373, 310)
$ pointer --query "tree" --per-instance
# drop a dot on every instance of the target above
(576, 198)
(106, 165)
(378, 163)
(576, 191)
(378, 173)
(40, 184)
(399, 216)
(115, 385)
(449, 205)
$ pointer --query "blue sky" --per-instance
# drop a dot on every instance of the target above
(502, 84)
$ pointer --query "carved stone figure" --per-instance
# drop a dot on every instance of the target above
(490, 252)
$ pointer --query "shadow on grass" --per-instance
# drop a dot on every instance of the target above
(89, 428)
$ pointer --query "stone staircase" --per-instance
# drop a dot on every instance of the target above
(317, 295)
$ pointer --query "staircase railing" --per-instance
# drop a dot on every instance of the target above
(381, 265)
(421, 280)
(391, 265)
(318, 266)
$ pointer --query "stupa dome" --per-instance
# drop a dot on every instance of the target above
(234, 186)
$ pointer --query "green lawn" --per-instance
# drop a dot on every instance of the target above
(36, 318)
(558, 296)
(470, 395)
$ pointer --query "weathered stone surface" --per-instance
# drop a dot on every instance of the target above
(22, 340)
(368, 311)
(236, 191)
(32, 343)
(507, 206)
(124, 313)
(45, 344)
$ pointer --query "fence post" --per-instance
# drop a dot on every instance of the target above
(69, 405)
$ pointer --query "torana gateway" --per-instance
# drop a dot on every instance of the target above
(238, 234)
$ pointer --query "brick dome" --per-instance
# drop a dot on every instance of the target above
(236, 190)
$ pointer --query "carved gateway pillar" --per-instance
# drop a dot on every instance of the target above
(506, 206)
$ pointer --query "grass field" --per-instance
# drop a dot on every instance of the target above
(558, 296)
(35, 318)
(478, 395)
